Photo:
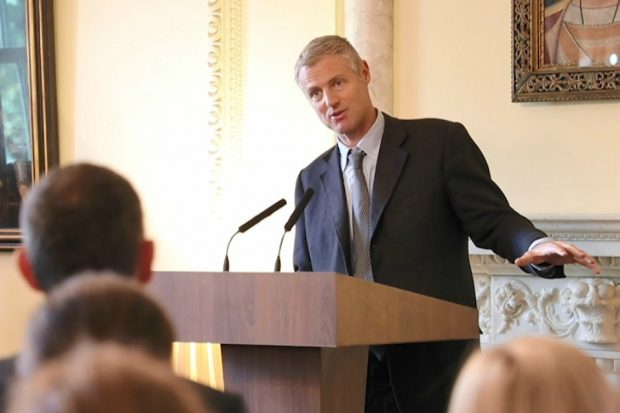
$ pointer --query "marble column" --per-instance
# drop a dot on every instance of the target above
(369, 26)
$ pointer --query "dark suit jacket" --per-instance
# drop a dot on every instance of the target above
(215, 400)
(432, 189)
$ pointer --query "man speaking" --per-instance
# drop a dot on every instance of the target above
(395, 201)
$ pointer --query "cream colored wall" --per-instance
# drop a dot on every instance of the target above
(453, 60)
(132, 95)
(17, 301)
(281, 132)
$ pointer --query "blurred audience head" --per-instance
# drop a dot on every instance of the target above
(82, 217)
(104, 378)
(532, 375)
(97, 308)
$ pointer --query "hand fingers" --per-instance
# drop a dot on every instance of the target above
(572, 249)
(581, 257)
(589, 262)
(558, 253)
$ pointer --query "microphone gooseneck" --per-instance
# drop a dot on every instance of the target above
(277, 266)
(226, 262)
(249, 224)
(292, 220)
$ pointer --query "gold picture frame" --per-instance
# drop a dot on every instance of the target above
(535, 77)
(35, 55)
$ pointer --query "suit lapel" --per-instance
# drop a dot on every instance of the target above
(390, 163)
(334, 188)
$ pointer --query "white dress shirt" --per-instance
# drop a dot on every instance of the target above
(370, 144)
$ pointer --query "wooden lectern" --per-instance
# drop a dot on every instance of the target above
(298, 342)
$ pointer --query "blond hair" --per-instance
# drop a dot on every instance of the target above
(531, 375)
(328, 46)
(104, 378)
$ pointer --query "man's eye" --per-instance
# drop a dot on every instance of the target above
(338, 83)
(314, 95)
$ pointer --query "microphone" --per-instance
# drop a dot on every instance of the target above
(299, 209)
(258, 218)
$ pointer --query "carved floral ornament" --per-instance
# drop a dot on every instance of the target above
(225, 89)
(584, 310)
(581, 309)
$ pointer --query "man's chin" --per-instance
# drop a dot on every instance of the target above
(333, 128)
(338, 128)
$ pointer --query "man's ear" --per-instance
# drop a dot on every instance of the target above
(365, 72)
(144, 271)
(25, 267)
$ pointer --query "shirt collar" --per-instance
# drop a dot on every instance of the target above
(370, 143)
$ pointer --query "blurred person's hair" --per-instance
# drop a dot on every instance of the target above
(532, 375)
(81, 217)
(104, 378)
(98, 308)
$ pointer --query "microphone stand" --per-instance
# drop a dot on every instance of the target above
(226, 262)
(292, 220)
(255, 220)
(277, 265)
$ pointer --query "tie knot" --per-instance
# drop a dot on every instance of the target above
(356, 156)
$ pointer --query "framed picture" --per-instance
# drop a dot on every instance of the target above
(28, 119)
(565, 50)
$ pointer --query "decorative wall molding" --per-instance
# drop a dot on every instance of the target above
(583, 309)
(225, 72)
(599, 235)
(202, 362)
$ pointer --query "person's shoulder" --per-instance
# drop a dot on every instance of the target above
(219, 401)
(431, 132)
(320, 161)
(434, 124)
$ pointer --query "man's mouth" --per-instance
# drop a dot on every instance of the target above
(336, 116)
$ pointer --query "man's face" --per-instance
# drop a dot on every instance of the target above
(339, 96)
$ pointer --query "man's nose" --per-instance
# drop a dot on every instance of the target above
(331, 99)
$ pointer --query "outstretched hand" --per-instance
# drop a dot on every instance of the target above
(558, 253)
